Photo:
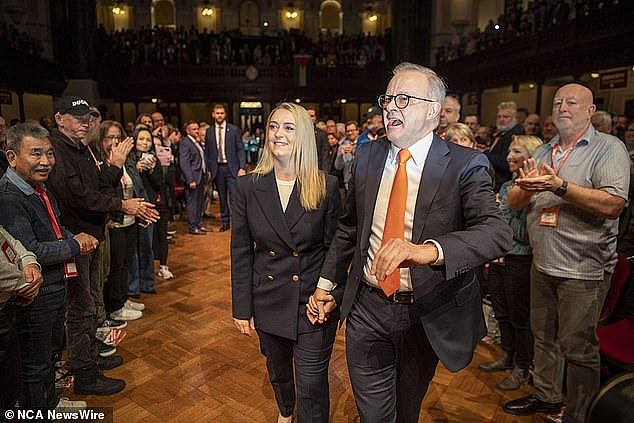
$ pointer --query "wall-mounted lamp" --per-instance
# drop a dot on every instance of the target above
(118, 9)
(265, 24)
(594, 75)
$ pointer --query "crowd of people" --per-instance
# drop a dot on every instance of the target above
(190, 46)
(85, 206)
(538, 16)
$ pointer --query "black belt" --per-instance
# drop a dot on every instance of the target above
(399, 297)
(223, 164)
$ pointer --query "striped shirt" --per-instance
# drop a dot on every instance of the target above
(582, 245)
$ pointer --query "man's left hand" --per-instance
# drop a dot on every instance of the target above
(33, 278)
(242, 172)
(397, 253)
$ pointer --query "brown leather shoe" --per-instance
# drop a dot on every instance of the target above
(517, 378)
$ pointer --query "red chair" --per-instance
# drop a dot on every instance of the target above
(616, 343)
(619, 282)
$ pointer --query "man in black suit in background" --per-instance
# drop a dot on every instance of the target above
(411, 297)
(226, 160)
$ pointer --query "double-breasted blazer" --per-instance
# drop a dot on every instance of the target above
(276, 256)
(455, 207)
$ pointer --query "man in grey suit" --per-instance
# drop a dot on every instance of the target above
(411, 296)
(226, 160)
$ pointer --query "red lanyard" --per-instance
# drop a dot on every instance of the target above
(39, 191)
(94, 158)
(564, 158)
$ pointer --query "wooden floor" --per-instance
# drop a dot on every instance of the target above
(185, 361)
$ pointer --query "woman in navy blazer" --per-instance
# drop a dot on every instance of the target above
(285, 215)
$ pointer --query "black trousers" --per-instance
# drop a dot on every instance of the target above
(390, 359)
(123, 245)
(226, 184)
(510, 289)
(10, 383)
(300, 368)
(160, 245)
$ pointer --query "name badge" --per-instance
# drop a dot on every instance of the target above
(549, 217)
(9, 252)
(70, 269)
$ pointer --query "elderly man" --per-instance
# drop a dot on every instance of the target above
(550, 130)
(29, 212)
(449, 113)
(531, 125)
(75, 182)
(507, 126)
(574, 189)
(602, 121)
(416, 207)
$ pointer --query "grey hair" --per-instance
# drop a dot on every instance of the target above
(17, 133)
(602, 116)
(437, 87)
(508, 105)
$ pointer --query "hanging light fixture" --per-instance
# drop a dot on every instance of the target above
(118, 8)
(291, 13)
(207, 10)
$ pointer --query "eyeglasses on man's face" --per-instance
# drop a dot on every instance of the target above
(400, 100)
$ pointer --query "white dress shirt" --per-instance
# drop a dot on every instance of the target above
(222, 153)
(415, 165)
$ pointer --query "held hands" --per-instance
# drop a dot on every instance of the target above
(242, 172)
(537, 180)
(319, 306)
(87, 243)
(120, 152)
(244, 326)
(33, 279)
(396, 253)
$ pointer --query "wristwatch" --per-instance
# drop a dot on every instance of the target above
(561, 191)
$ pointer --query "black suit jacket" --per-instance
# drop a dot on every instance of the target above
(455, 207)
(499, 152)
(276, 256)
(234, 149)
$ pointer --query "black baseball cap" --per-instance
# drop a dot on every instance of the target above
(374, 111)
(73, 105)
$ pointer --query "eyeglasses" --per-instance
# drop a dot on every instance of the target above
(400, 100)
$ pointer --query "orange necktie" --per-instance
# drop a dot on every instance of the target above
(395, 219)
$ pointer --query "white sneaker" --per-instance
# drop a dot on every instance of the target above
(126, 314)
(134, 305)
(64, 402)
(164, 272)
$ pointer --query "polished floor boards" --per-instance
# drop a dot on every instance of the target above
(185, 361)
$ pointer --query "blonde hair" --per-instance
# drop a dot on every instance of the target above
(529, 142)
(461, 131)
(311, 182)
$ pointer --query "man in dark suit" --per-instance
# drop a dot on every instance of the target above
(421, 215)
(194, 168)
(225, 160)
(507, 126)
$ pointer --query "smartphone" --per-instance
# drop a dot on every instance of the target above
(146, 157)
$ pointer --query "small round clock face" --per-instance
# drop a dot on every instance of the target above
(251, 73)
